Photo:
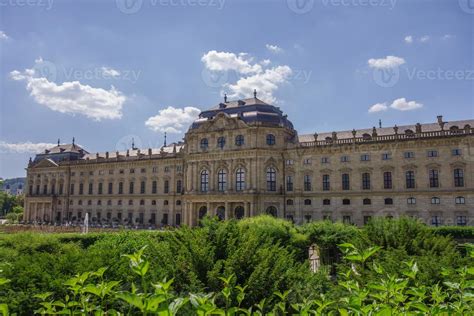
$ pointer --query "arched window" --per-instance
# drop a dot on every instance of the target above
(178, 202)
(222, 180)
(204, 181)
(326, 202)
(435, 200)
(388, 201)
(271, 179)
(367, 202)
(270, 139)
(271, 210)
(221, 142)
(202, 212)
(239, 212)
(307, 202)
(165, 202)
(289, 202)
(153, 202)
(239, 140)
(220, 213)
(346, 202)
(204, 143)
(240, 179)
(142, 202)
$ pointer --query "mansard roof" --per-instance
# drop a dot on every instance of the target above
(252, 111)
(136, 152)
(66, 148)
(384, 131)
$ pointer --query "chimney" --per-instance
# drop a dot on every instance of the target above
(440, 119)
(149, 151)
(107, 155)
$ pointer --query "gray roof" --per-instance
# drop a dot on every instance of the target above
(134, 152)
(429, 127)
(66, 148)
(234, 104)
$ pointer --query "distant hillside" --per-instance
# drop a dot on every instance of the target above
(13, 186)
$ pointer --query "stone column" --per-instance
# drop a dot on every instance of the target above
(226, 216)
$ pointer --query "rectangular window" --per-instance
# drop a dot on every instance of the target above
(346, 219)
(110, 188)
(143, 170)
(458, 177)
(435, 220)
(365, 157)
(91, 188)
(289, 162)
(61, 189)
(142, 187)
(386, 156)
(432, 153)
(461, 220)
(71, 189)
(154, 169)
(307, 183)
(132, 170)
(326, 183)
(131, 187)
(345, 159)
(387, 180)
(154, 187)
(240, 179)
(456, 152)
(366, 181)
(99, 189)
(111, 171)
(179, 186)
(307, 161)
(289, 183)
(410, 179)
(166, 187)
(409, 155)
(164, 221)
(367, 219)
(81, 188)
(53, 188)
(345, 181)
(324, 160)
(434, 178)
(120, 188)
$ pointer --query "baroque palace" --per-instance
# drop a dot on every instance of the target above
(243, 158)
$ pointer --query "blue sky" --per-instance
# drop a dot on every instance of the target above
(107, 71)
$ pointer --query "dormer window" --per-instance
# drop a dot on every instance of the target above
(204, 143)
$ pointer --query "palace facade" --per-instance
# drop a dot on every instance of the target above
(243, 158)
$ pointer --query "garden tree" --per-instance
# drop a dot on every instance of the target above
(8, 202)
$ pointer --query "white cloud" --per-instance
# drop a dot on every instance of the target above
(274, 48)
(386, 63)
(266, 83)
(72, 97)
(223, 61)
(106, 71)
(403, 105)
(265, 62)
(22, 148)
(408, 39)
(3, 36)
(173, 120)
(446, 37)
(378, 107)
(424, 39)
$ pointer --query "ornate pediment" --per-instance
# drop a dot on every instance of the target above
(45, 163)
(221, 122)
